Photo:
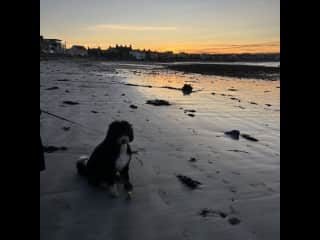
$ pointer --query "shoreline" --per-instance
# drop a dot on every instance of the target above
(202, 67)
(229, 70)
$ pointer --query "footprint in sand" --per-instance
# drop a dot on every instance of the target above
(257, 184)
(186, 234)
(233, 211)
(234, 221)
(271, 190)
(225, 181)
(206, 212)
(164, 196)
(232, 189)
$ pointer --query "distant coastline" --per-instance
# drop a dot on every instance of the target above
(229, 70)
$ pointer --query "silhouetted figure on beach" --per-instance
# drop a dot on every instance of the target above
(42, 162)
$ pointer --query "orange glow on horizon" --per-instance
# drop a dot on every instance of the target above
(215, 49)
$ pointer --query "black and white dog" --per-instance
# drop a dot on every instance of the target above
(110, 160)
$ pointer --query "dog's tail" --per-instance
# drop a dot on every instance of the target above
(82, 166)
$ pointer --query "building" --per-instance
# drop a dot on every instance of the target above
(138, 55)
(95, 52)
(51, 46)
(205, 56)
(153, 56)
(166, 56)
(77, 50)
(119, 52)
(182, 56)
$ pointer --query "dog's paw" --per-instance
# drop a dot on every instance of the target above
(129, 195)
(128, 187)
(114, 191)
(83, 158)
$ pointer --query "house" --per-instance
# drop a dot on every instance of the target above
(154, 56)
(77, 50)
(51, 46)
(119, 52)
(205, 56)
(138, 55)
(95, 52)
(166, 56)
(182, 55)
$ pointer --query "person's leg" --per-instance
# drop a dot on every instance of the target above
(42, 162)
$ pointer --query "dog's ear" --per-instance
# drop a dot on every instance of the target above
(112, 133)
(130, 130)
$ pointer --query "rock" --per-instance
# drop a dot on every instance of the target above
(268, 105)
(213, 93)
(193, 159)
(52, 88)
(236, 150)
(250, 138)
(66, 128)
(123, 94)
(236, 99)
(67, 91)
(191, 115)
(136, 85)
(232, 89)
(158, 102)
(193, 184)
(254, 103)
(70, 102)
(234, 134)
(189, 110)
(94, 111)
(63, 80)
(223, 215)
(133, 106)
(51, 149)
(234, 221)
(187, 89)
(206, 212)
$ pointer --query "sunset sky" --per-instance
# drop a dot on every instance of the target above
(206, 26)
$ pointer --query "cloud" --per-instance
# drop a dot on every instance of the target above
(243, 47)
(103, 27)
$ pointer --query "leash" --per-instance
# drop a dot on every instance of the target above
(70, 121)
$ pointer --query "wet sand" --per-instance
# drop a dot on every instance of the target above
(239, 178)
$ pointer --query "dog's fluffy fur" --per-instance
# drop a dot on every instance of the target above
(110, 157)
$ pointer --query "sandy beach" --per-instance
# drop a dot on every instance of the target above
(240, 178)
